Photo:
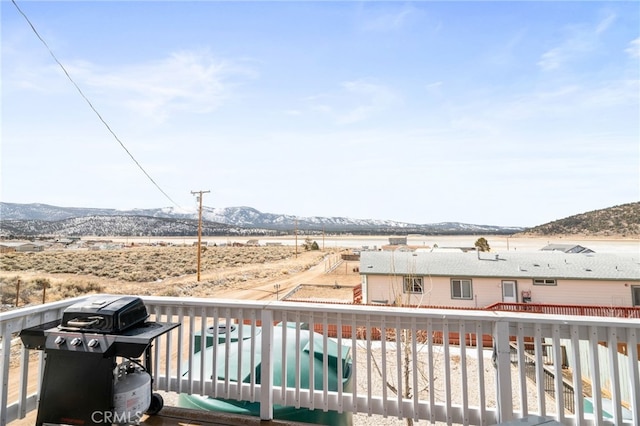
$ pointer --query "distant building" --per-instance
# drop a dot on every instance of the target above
(397, 241)
(21, 246)
(67, 241)
(397, 247)
(7, 248)
(455, 249)
(400, 244)
(567, 248)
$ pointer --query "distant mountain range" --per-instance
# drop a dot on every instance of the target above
(33, 220)
(28, 220)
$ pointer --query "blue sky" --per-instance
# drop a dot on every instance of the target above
(502, 113)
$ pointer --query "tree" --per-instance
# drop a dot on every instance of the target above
(482, 244)
(310, 244)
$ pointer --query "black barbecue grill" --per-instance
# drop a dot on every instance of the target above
(81, 352)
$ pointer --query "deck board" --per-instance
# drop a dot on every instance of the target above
(174, 416)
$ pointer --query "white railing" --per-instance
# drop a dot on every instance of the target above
(420, 369)
(17, 396)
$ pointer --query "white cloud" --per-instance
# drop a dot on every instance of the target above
(356, 101)
(634, 48)
(580, 40)
(372, 98)
(578, 43)
(434, 87)
(552, 59)
(386, 20)
(605, 23)
(541, 111)
(184, 81)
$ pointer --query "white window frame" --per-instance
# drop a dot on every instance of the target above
(413, 285)
(461, 283)
(635, 295)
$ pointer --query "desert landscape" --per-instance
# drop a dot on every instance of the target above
(229, 269)
(257, 273)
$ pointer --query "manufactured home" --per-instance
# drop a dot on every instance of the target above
(479, 279)
(21, 246)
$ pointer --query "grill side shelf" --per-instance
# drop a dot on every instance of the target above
(133, 342)
(35, 337)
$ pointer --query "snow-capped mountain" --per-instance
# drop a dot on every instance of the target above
(43, 219)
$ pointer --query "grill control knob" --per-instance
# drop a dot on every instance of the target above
(59, 340)
(76, 341)
(93, 343)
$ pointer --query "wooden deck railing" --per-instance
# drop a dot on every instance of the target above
(583, 310)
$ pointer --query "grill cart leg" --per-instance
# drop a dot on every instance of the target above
(157, 402)
(77, 388)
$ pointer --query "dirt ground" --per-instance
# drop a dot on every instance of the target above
(318, 282)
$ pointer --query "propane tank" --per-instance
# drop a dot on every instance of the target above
(131, 393)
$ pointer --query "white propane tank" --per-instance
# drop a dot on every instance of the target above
(131, 393)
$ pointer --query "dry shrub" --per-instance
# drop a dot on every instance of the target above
(141, 264)
(8, 288)
(161, 262)
(69, 289)
(223, 267)
(171, 292)
(31, 290)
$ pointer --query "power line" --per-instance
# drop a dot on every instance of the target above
(33, 28)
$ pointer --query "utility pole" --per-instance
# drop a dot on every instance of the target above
(296, 234)
(277, 287)
(199, 226)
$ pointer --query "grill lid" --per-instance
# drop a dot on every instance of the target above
(104, 314)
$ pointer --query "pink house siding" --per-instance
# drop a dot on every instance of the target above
(584, 292)
(489, 290)
(437, 272)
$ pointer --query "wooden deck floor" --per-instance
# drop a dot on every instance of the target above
(173, 416)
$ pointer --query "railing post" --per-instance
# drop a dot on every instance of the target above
(502, 362)
(266, 366)
(5, 351)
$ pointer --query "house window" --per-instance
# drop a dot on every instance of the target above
(635, 293)
(461, 289)
(413, 285)
(544, 281)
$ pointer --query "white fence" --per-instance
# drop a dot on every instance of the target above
(414, 371)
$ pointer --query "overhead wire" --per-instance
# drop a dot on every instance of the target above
(33, 28)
